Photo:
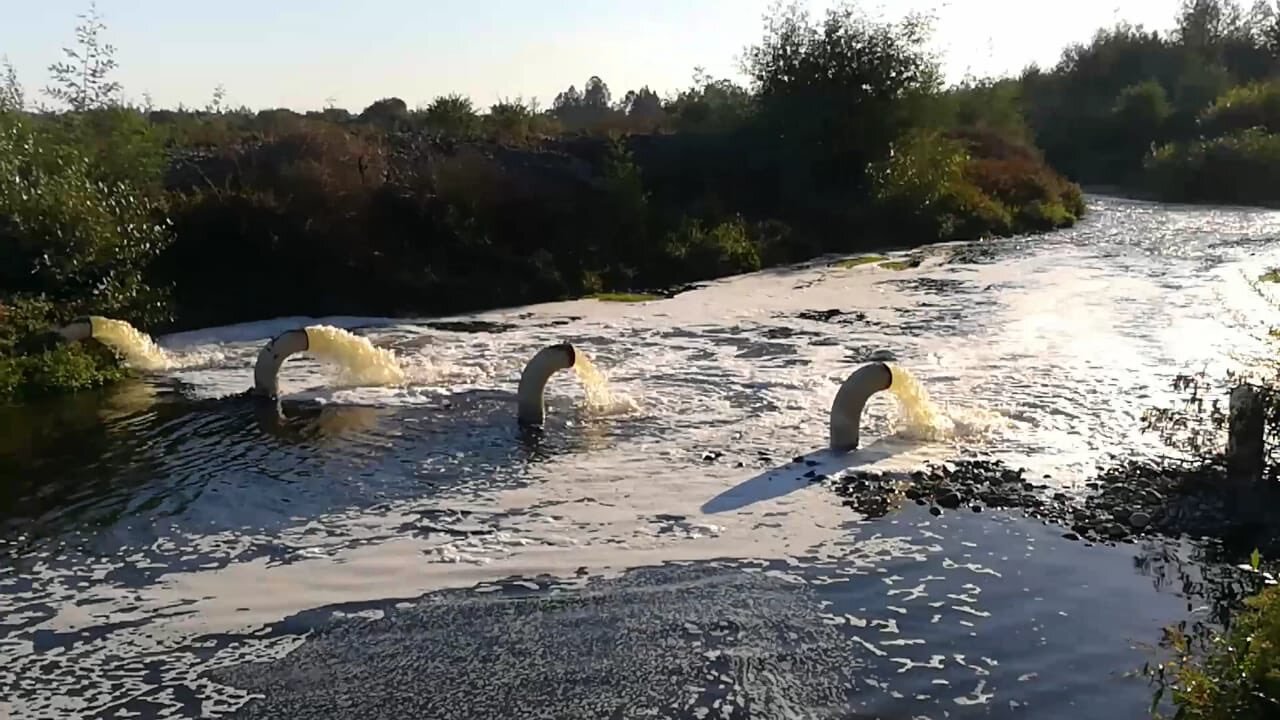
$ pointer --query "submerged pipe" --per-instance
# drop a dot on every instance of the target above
(266, 372)
(846, 410)
(533, 381)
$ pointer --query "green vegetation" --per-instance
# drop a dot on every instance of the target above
(1271, 276)
(1188, 115)
(898, 265)
(1237, 676)
(843, 141)
(860, 261)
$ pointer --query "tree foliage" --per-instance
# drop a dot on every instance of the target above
(82, 80)
(392, 210)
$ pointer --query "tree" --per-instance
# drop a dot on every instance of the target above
(837, 93)
(510, 121)
(643, 105)
(81, 81)
(1141, 112)
(452, 115)
(388, 113)
(589, 108)
(217, 103)
(595, 94)
(710, 105)
(12, 96)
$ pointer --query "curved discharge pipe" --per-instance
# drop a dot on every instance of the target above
(266, 372)
(846, 410)
(78, 330)
(533, 381)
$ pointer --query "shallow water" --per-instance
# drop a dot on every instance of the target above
(171, 551)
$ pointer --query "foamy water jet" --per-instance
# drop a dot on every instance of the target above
(919, 418)
(359, 361)
(599, 400)
(133, 347)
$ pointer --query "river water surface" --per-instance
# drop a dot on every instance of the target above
(405, 550)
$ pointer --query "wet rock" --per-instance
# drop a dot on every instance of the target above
(935, 511)
(1114, 531)
(797, 459)
(1139, 520)
(948, 499)
(1071, 536)
(976, 508)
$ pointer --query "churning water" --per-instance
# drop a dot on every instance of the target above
(396, 546)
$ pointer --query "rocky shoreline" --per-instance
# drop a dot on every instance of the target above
(1121, 503)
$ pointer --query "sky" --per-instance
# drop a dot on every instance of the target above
(306, 54)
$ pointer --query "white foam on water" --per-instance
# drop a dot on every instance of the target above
(1045, 357)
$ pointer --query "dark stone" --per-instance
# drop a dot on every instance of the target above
(935, 511)
(949, 499)
(1071, 536)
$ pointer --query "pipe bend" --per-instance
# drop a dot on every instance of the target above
(533, 380)
(79, 330)
(851, 399)
(266, 371)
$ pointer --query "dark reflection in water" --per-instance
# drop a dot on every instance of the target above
(91, 474)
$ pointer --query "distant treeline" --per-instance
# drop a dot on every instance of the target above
(1187, 115)
(843, 140)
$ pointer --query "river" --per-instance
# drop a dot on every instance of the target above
(406, 550)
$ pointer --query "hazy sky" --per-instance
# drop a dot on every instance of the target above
(298, 53)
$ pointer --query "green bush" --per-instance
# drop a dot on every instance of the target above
(1256, 105)
(972, 184)
(700, 253)
(82, 218)
(1239, 677)
(1241, 167)
(52, 368)
(79, 224)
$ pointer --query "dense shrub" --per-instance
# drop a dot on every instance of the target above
(1247, 107)
(82, 217)
(701, 252)
(75, 227)
(1099, 112)
(1241, 167)
(1238, 676)
(972, 184)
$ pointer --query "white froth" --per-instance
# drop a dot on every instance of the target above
(1046, 359)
